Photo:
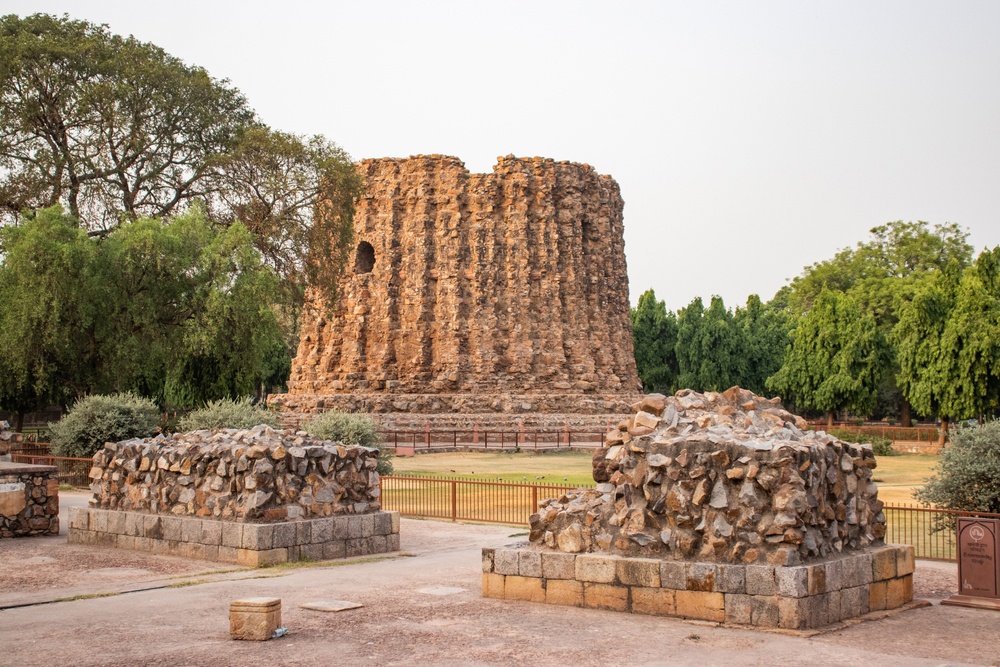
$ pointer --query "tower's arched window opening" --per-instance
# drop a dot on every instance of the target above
(364, 258)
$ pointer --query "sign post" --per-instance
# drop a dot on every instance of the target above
(978, 563)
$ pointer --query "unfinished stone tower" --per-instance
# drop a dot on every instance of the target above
(501, 292)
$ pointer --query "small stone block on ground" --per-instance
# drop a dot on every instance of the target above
(331, 605)
(254, 619)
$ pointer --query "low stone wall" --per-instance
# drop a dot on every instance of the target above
(485, 402)
(791, 597)
(248, 544)
(257, 474)
(29, 500)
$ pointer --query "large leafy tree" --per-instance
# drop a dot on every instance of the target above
(654, 331)
(836, 358)
(948, 341)
(177, 310)
(709, 354)
(117, 129)
(763, 334)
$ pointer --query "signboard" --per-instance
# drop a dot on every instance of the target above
(978, 563)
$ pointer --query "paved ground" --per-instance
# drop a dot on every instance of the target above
(419, 609)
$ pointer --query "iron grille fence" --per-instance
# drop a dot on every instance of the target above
(487, 440)
(930, 531)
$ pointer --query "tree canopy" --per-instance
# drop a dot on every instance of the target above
(117, 129)
(654, 334)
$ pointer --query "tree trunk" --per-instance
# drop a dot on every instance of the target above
(829, 420)
(19, 422)
(943, 437)
(905, 419)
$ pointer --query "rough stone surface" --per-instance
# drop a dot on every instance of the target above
(500, 292)
(257, 474)
(8, 439)
(254, 619)
(29, 500)
(721, 477)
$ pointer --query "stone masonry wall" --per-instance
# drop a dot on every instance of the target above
(29, 500)
(729, 478)
(475, 285)
(257, 474)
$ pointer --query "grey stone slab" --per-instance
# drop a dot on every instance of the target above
(383, 523)
(529, 563)
(505, 561)
(673, 574)
(331, 606)
(760, 580)
(284, 535)
(731, 579)
(211, 533)
(558, 565)
(367, 525)
(355, 527)
(191, 530)
(792, 582)
(232, 535)
(321, 530)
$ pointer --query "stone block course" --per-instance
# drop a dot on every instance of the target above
(250, 544)
(791, 597)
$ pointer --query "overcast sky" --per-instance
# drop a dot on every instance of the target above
(750, 139)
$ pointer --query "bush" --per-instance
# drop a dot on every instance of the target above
(95, 420)
(227, 413)
(967, 476)
(351, 429)
(881, 446)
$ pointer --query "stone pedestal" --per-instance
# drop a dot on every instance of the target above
(254, 619)
(792, 597)
(29, 500)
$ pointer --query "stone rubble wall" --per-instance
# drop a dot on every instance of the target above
(257, 474)
(721, 477)
(790, 597)
(29, 500)
(8, 439)
(481, 284)
(428, 405)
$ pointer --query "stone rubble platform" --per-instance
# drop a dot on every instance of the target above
(247, 544)
(796, 597)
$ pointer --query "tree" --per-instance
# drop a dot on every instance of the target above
(47, 299)
(708, 347)
(836, 358)
(949, 342)
(968, 473)
(115, 129)
(177, 310)
(654, 332)
(763, 335)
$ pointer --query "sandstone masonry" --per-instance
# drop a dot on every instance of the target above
(502, 292)
(29, 500)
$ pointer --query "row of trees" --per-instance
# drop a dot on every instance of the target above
(908, 318)
(155, 235)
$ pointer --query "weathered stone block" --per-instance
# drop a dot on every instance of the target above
(703, 605)
(172, 528)
(884, 564)
(898, 591)
(904, 560)
(876, 595)
(764, 611)
(322, 530)
(737, 608)
(232, 535)
(303, 532)
(355, 527)
(593, 568)
(116, 523)
(654, 601)
(505, 561)
(529, 563)
(643, 572)
(857, 571)
(383, 523)
(524, 588)
(558, 565)
(258, 536)
(392, 542)
(313, 552)
(228, 554)
(367, 525)
(493, 585)
(488, 559)
(701, 576)
(673, 574)
(254, 618)
(793, 613)
(760, 580)
(731, 579)
(564, 592)
(284, 535)
(817, 578)
(853, 601)
(792, 582)
(605, 596)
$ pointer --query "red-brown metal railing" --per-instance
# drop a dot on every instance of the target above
(72, 470)
(492, 440)
(931, 531)
(464, 499)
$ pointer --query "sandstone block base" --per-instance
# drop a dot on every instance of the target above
(254, 619)
(247, 544)
(793, 597)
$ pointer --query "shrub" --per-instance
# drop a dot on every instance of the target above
(227, 413)
(881, 446)
(967, 476)
(95, 420)
(351, 429)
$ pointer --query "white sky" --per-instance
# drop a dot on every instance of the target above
(750, 139)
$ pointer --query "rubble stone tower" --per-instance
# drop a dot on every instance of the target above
(501, 292)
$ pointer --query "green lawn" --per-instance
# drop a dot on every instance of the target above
(897, 476)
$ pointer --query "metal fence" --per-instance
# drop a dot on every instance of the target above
(491, 440)
(73, 471)
(930, 531)
(464, 499)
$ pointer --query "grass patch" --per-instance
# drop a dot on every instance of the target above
(301, 564)
(87, 596)
(571, 468)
